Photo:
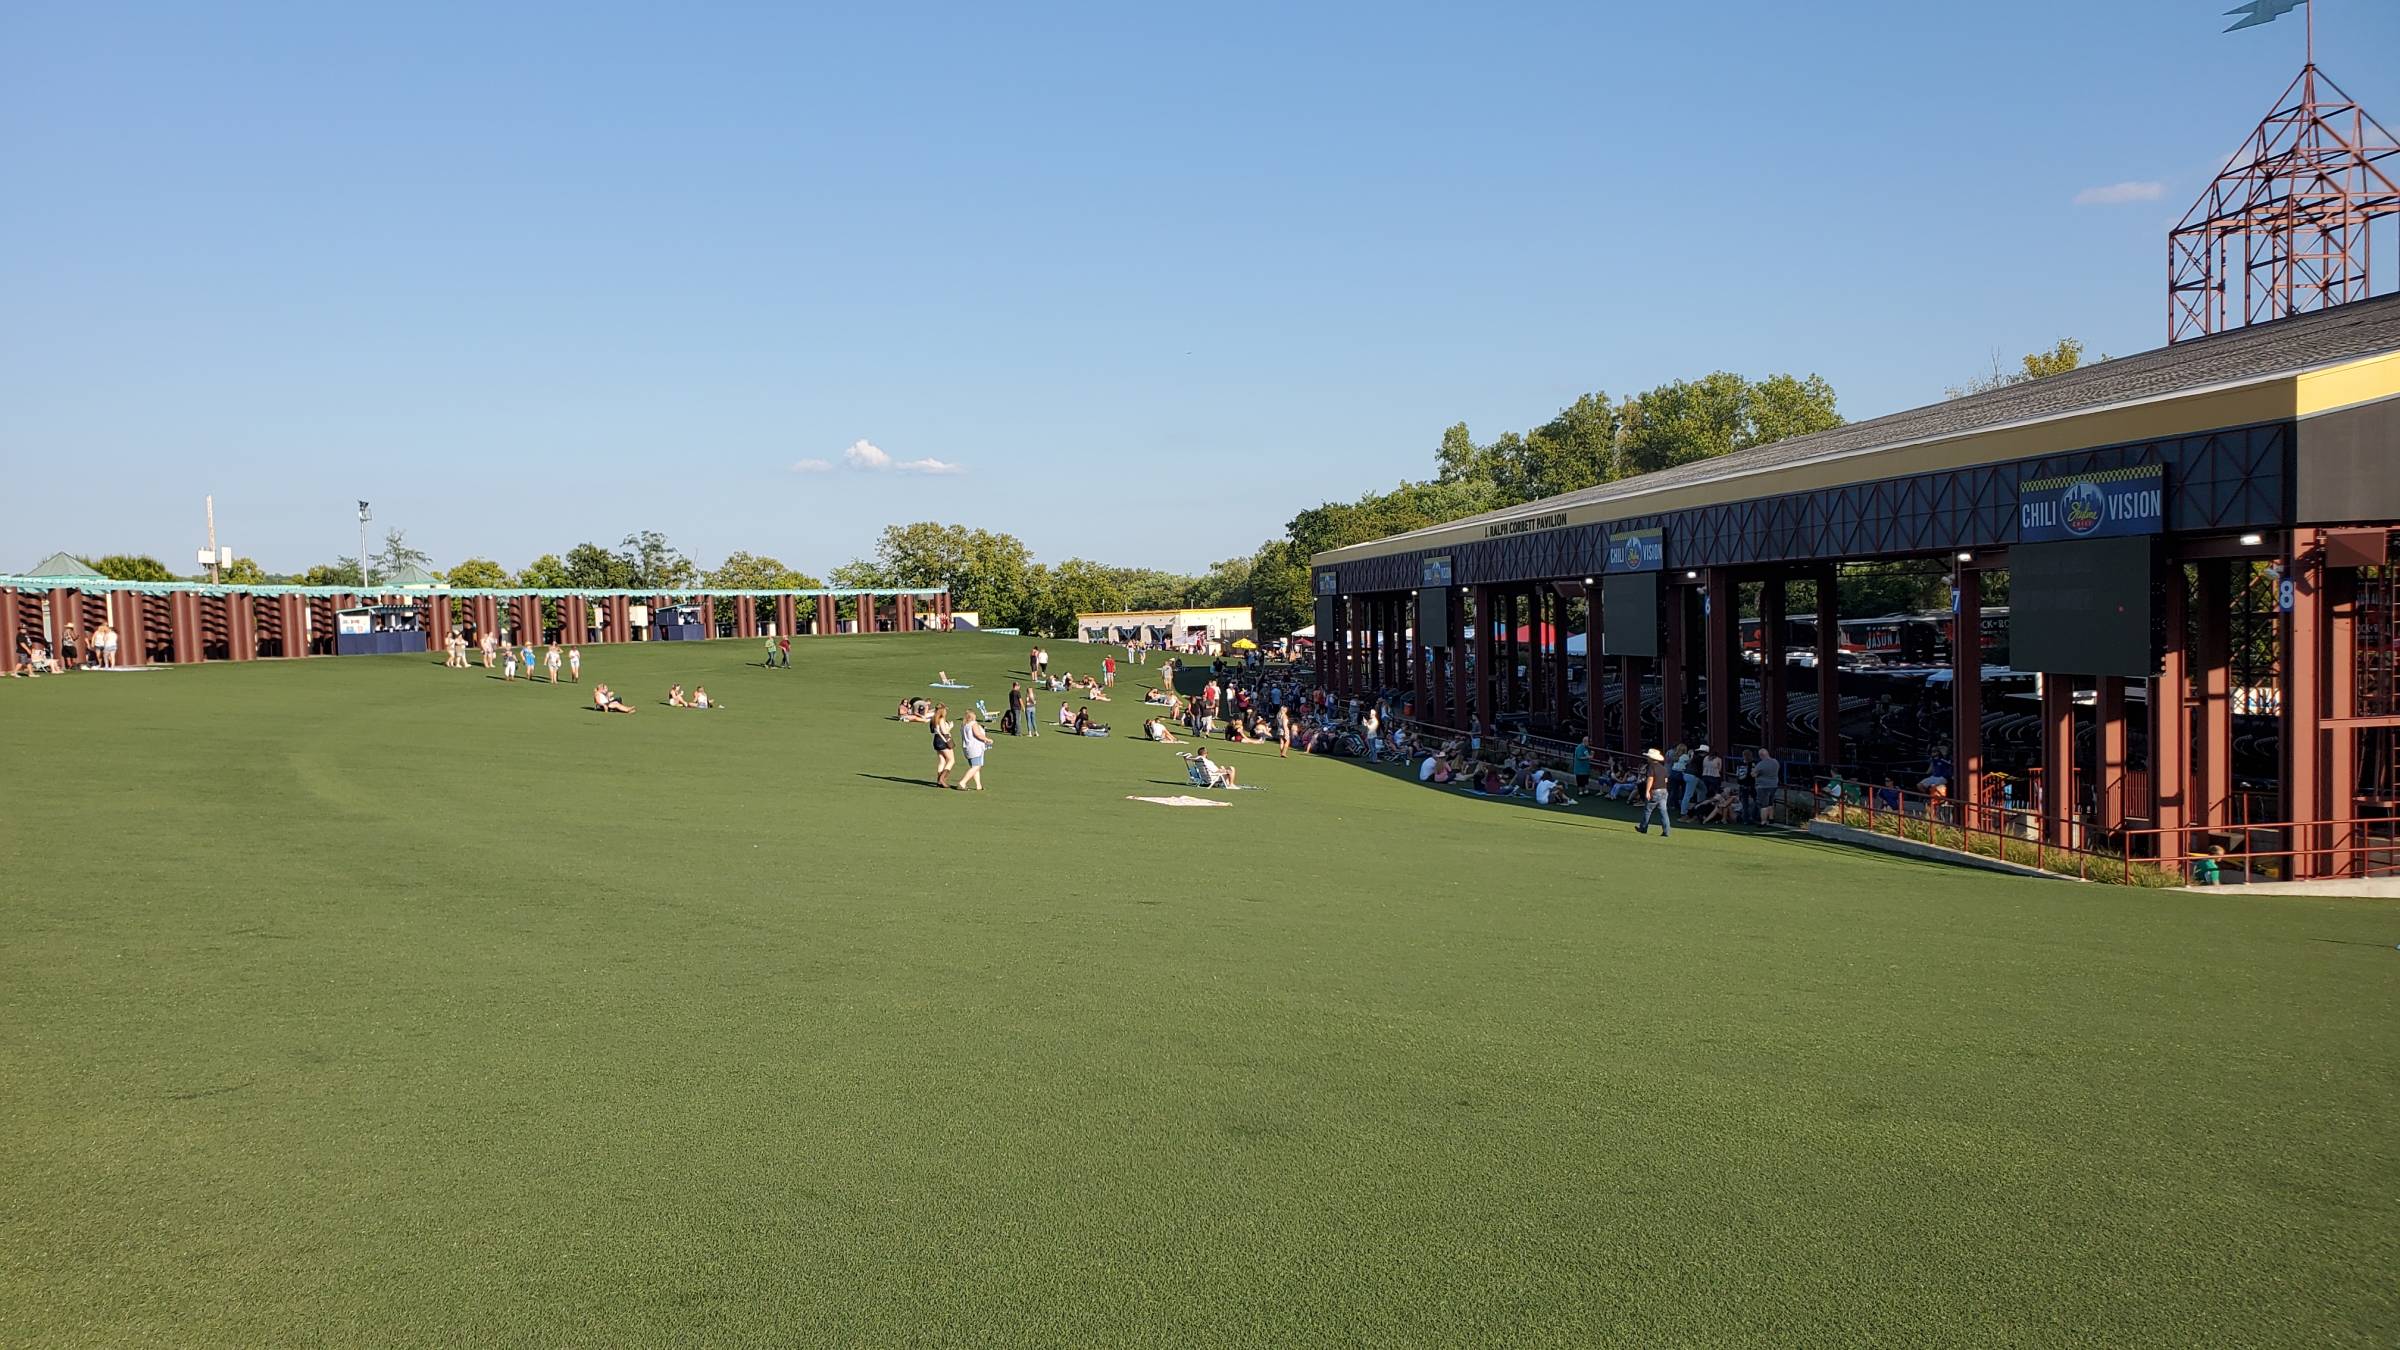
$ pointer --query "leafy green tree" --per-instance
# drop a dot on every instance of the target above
(753, 572)
(1227, 582)
(1719, 413)
(1281, 597)
(2064, 355)
(339, 572)
(652, 563)
(591, 567)
(242, 572)
(131, 567)
(479, 573)
(859, 573)
(396, 554)
(985, 571)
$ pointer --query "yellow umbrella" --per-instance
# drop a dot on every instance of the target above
(1245, 645)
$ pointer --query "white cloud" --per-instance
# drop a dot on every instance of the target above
(865, 456)
(2121, 194)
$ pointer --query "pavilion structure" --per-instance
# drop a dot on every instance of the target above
(182, 622)
(2253, 474)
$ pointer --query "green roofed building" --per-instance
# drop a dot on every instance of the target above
(62, 565)
(409, 578)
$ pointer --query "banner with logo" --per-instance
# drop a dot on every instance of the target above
(1637, 550)
(2103, 505)
(1435, 571)
(1326, 584)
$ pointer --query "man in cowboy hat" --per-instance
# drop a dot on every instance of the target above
(1654, 793)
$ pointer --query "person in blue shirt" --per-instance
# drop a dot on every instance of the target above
(1582, 766)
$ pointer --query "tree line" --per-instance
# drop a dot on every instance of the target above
(1594, 440)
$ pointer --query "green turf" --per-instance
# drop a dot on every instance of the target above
(364, 1001)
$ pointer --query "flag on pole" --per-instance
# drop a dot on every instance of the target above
(2262, 11)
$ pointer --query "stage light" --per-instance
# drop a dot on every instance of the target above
(2253, 540)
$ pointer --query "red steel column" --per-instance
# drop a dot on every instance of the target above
(1829, 667)
(1966, 685)
(825, 623)
(241, 626)
(1724, 623)
(2108, 708)
(528, 619)
(1629, 674)
(745, 616)
(2341, 742)
(2213, 786)
(2058, 758)
(128, 613)
(2303, 697)
(1460, 704)
(1671, 667)
(1771, 670)
(908, 613)
(2170, 726)
(295, 625)
(183, 635)
(11, 614)
(787, 615)
(1485, 613)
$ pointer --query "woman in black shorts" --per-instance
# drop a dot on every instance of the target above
(943, 757)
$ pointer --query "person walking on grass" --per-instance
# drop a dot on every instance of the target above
(575, 664)
(783, 650)
(551, 661)
(508, 667)
(1655, 798)
(490, 644)
(974, 740)
(528, 658)
(943, 756)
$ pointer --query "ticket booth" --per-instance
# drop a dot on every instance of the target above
(378, 630)
(679, 623)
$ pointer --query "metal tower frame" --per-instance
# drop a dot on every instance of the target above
(2294, 215)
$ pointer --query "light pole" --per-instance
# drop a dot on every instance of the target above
(364, 515)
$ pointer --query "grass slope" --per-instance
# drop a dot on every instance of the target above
(370, 1002)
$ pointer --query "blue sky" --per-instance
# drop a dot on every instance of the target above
(1132, 283)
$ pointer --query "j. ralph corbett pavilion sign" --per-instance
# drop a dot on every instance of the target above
(2091, 505)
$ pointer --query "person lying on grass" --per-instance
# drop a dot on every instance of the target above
(1159, 696)
(1083, 725)
(1160, 732)
(606, 700)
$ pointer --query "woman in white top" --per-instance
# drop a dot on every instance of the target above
(973, 740)
(550, 659)
(575, 664)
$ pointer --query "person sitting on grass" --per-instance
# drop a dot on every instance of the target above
(1549, 791)
(1159, 696)
(1160, 732)
(1096, 692)
(915, 710)
(605, 699)
(1207, 772)
(1723, 809)
(1623, 785)
(700, 698)
(1066, 715)
(675, 698)
(1082, 722)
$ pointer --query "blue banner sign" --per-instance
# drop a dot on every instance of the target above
(1326, 584)
(1637, 551)
(1435, 571)
(2099, 505)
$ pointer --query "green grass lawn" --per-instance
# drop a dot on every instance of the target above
(368, 1002)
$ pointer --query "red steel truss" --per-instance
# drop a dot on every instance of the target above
(2291, 223)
